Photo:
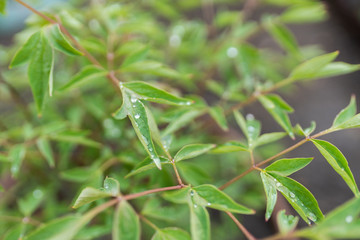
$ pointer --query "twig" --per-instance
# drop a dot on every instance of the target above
(247, 234)
(140, 194)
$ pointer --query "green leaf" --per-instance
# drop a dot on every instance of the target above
(339, 163)
(299, 197)
(192, 150)
(286, 167)
(171, 233)
(336, 68)
(212, 197)
(345, 114)
(76, 137)
(39, 70)
(217, 113)
(136, 56)
(310, 68)
(146, 165)
(17, 155)
(29, 203)
(142, 67)
(193, 173)
(199, 222)
(305, 133)
(279, 110)
(2, 6)
(58, 41)
(89, 195)
(45, 149)
(178, 196)
(269, 138)
(286, 223)
(86, 75)
(79, 174)
(250, 127)
(271, 194)
(126, 224)
(304, 13)
(154, 208)
(112, 186)
(232, 146)
(145, 91)
(26, 51)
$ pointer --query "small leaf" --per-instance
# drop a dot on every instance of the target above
(89, 195)
(310, 68)
(193, 173)
(29, 203)
(286, 223)
(217, 113)
(171, 233)
(112, 186)
(59, 41)
(199, 222)
(192, 150)
(299, 197)
(269, 138)
(305, 133)
(126, 224)
(26, 51)
(353, 122)
(147, 92)
(16, 155)
(336, 68)
(177, 196)
(304, 13)
(250, 127)
(286, 167)
(76, 137)
(214, 198)
(45, 149)
(86, 75)
(146, 165)
(232, 146)
(271, 194)
(136, 56)
(337, 160)
(2, 6)
(279, 109)
(345, 114)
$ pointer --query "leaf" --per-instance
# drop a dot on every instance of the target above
(213, 198)
(279, 110)
(269, 138)
(271, 194)
(171, 233)
(345, 114)
(305, 133)
(177, 196)
(299, 197)
(86, 75)
(232, 146)
(142, 67)
(76, 137)
(304, 13)
(192, 150)
(16, 155)
(39, 71)
(26, 51)
(2, 6)
(339, 163)
(45, 149)
(199, 222)
(286, 223)
(112, 186)
(336, 68)
(147, 92)
(29, 203)
(286, 167)
(89, 195)
(250, 127)
(58, 41)
(146, 165)
(193, 173)
(126, 224)
(217, 113)
(136, 56)
(310, 68)
(79, 174)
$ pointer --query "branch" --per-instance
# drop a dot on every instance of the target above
(140, 194)
(247, 234)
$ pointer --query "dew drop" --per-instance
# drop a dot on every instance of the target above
(349, 219)
(312, 217)
(342, 169)
(232, 52)
(121, 85)
(37, 193)
(292, 195)
(191, 193)
(208, 204)
(250, 117)
(251, 128)
(195, 205)
(137, 116)
(188, 103)
(174, 40)
(278, 184)
(133, 100)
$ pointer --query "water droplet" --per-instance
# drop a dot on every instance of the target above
(251, 128)
(349, 219)
(174, 40)
(133, 99)
(278, 184)
(37, 193)
(342, 169)
(250, 117)
(312, 217)
(232, 52)
(208, 204)
(195, 205)
(137, 116)
(121, 85)
(150, 149)
(192, 193)
(291, 194)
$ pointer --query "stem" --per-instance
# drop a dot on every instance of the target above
(153, 226)
(247, 234)
(37, 12)
(140, 194)
(177, 174)
(252, 158)
(25, 220)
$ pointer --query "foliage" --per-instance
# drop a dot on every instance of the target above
(128, 121)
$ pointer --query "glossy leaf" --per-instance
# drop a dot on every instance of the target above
(310, 68)
(126, 224)
(86, 75)
(286, 167)
(228, 147)
(146, 165)
(112, 186)
(345, 114)
(147, 92)
(199, 222)
(25, 52)
(286, 223)
(171, 233)
(177, 196)
(337, 160)
(89, 195)
(217, 113)
(192, 150)
(39, 71)
(271, 194)
(212, 197)
(59, 41)
(279, 109)
(16, 155)
(45, 149)
(299, 197)
(269, 138)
